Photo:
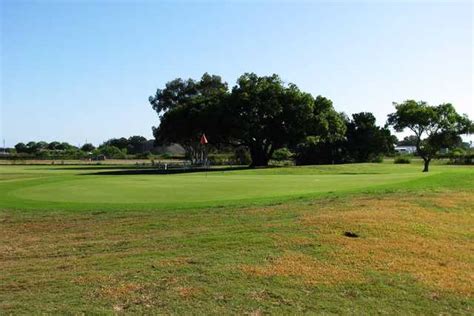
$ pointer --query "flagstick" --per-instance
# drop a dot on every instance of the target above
(203, 142)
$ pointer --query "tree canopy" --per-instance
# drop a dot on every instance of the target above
(188, 109)
(435, 127)
(260, 113)
(366, 140)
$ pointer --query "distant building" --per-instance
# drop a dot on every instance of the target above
(405, 149)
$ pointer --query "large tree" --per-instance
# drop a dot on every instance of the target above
(136, 144)
(264, 115)
(188, 109)
(435, 127)
(120, 143)
(366, 140)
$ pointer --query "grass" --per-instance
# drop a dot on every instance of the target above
(275, 247)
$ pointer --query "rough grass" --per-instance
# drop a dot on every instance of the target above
(396, 236)
(414, 255)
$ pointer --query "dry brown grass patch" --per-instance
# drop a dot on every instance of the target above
(299, 265)
(403, 237)
(187, 292)
(398, 234)
(120, 292)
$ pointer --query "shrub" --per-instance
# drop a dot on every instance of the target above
(242, 156)
(166, 156)
(144, 155)
(218, 159)
(282, 154)
(377, 159)
(402, 160)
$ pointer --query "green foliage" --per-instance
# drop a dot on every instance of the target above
(144, 155)
(261, 113)
(219, 159)
(87, 147)
(43, 150)
(120, 143)
(282, 154)
(187, 109)
(136, 145)
(242, 156)
(408, 141)
(461, 156)
(366, 142)
(21, 148)
(435, 127)
(111, 152)
(402, 160)
(376, 158)
(265, 115)
(314, 150)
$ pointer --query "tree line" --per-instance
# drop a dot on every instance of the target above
(264, 116)
(115, 148)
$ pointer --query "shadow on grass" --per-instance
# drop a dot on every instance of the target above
(152, 170)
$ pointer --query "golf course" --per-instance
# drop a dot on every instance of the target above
(372, 238)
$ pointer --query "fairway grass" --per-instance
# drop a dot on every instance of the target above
(79, 189)
(242, 242)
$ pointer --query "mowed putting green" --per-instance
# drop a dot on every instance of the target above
(80, 188)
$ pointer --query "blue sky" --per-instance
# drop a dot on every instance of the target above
(77, 70)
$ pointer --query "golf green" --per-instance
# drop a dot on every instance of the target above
(81, 188)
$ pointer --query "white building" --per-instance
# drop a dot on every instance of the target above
(405, 149)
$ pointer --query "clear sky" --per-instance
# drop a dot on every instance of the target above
(76, 70)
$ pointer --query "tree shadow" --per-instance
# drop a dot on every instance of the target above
(155, 171)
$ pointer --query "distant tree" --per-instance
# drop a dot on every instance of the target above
(21, 148)
(121, 143)
(435, 127)
(64, 146)
(408, 141)
(365, 140)
(111, 152)
(136, 144)
(41, 145)
(31, 147)
(87, 147)
(54, 145)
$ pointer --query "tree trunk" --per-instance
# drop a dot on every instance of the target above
(260, 157)
(427, 163)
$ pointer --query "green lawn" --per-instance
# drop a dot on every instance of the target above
(249, 241)
(70, 188)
